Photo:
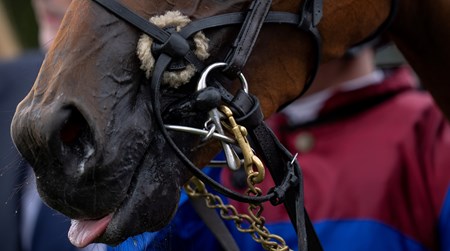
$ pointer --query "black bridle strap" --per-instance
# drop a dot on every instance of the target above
(311, 14)
(282, 166)
(293, 197)
(157, 33)
(160, 66)
(383, 27)
(278, 160)
(132, 18)
(246, 39)
(308, 20)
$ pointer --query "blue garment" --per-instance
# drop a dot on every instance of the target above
(444, 224)
(188, 232)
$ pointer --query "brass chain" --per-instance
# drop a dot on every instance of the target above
(255, 174)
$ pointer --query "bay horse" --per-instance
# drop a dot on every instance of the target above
(93, 128)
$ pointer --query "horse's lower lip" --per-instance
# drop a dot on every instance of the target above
(84, 232)
(139, 210)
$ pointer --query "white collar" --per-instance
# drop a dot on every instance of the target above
(306, 109)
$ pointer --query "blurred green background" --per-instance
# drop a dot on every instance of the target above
(21, 15)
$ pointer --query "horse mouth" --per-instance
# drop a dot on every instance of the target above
(148, 201)
(122, 222)
(84, 232)
(134, 175)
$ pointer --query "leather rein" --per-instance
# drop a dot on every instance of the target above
(173, 46)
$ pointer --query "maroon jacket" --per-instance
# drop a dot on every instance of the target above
(376, 156)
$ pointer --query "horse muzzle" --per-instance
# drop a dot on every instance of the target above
(107, 173)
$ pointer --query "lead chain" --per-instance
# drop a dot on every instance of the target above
(255, 174)
(245, 223)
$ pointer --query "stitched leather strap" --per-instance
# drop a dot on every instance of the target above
(280, 162)
(243, 45)
(129, 16)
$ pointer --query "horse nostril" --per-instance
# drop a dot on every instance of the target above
(74, 141)
(72, 128)
(75, 129)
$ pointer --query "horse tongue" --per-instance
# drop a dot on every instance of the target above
(84, 232)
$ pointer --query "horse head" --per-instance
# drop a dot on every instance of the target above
(88, 127)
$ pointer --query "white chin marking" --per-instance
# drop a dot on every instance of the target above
(172, 78)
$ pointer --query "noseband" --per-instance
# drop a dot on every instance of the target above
(173, 46)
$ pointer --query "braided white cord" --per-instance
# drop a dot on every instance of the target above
(172, 78)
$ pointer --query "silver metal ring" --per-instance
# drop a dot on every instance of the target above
(202, 81)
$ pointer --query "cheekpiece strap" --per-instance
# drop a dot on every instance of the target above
(243, 45)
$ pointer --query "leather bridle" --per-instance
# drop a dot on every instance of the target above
(173, 45)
